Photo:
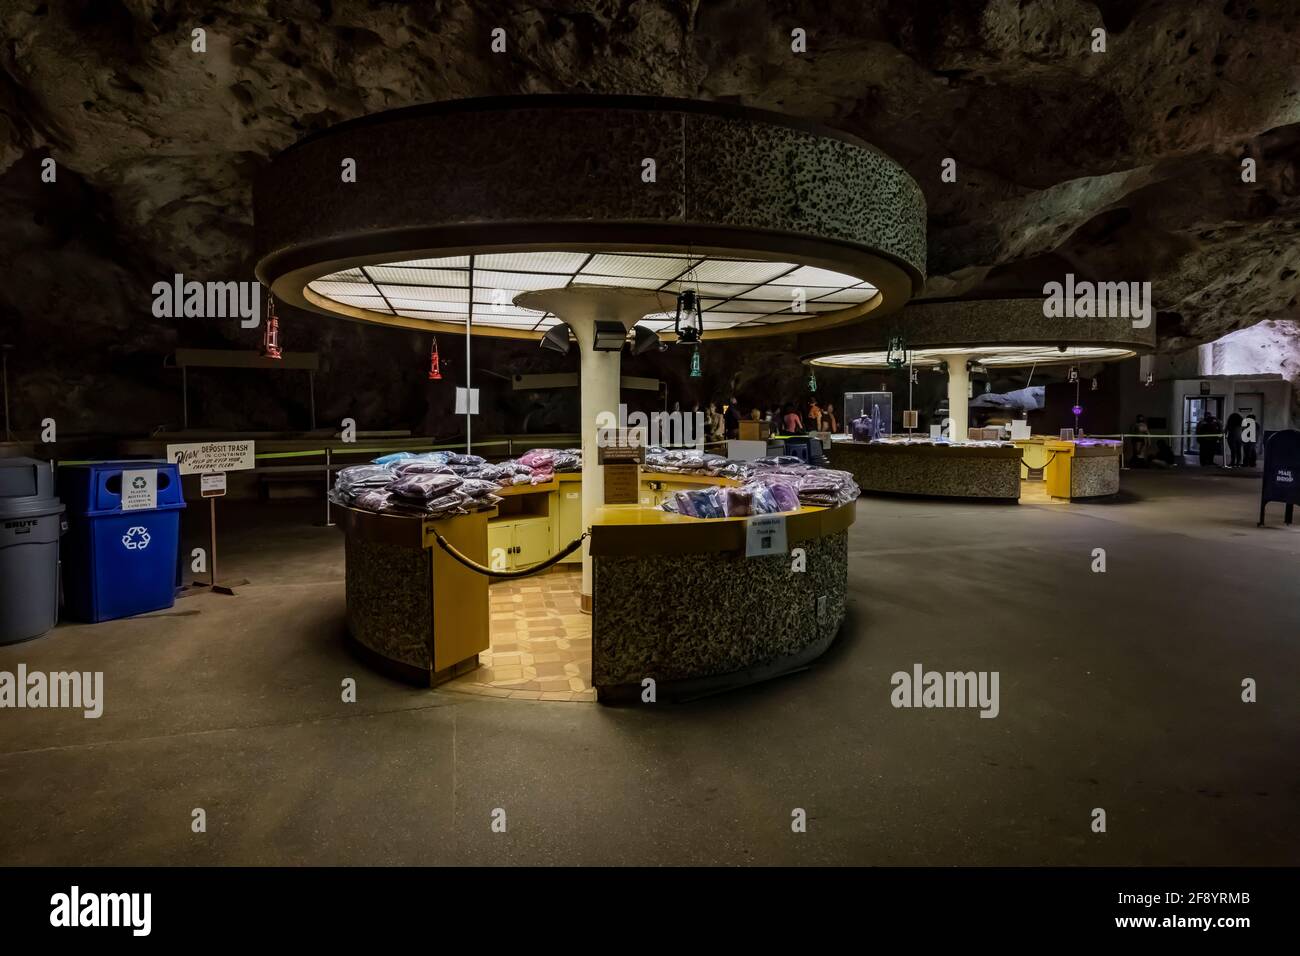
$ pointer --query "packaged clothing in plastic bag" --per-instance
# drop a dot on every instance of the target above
(738, 502)
(424, 487)
(568, 460)
(701, 503)
(477, 487)
(420, 466)
(538, 458)
(454, 459)
(391, 459)
(355, 479)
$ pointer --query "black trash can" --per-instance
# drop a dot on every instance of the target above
(31, 521)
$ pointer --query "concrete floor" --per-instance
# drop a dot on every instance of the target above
(1118, 690)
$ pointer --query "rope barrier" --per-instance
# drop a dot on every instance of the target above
(489, 572)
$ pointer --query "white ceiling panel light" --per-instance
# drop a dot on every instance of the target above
(733, 292)
(1007, 356)
(722, 290)
(662, 268)
(555, 263)
(336, 289)
(627, 282)
(447, 277)
(750, 273)
(424, 293)
(847, 296)
(517, 281)
(458, 317)
(373, 302)
(447, 262)
(810, 275)
(750, 305)
(430, 305)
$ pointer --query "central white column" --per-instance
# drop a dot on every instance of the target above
(599, 374)
(958, 396)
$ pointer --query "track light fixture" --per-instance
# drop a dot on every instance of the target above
(556, 338)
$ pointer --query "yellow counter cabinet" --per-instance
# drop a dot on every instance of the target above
(1082, 470)
(412, 610)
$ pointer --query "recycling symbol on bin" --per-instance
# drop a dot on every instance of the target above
(138, 482)
(136, 539)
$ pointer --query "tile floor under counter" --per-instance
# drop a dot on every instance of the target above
(541, 641)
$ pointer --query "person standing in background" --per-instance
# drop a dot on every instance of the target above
(829, 421)
(792, 422)
(814, 420)
(1249, 438)
(732, 418)
(717, 425)
(1141, 444)
(1205, 428)
(1232, 432)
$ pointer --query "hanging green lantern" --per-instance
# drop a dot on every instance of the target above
(695, 363)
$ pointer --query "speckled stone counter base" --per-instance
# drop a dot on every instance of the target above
(1094, 477)
(701, 623)
(931, 471)
(389, 600)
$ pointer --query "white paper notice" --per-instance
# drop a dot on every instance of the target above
(139, 489)
(466, 404)
(765, 535)
(212, 486)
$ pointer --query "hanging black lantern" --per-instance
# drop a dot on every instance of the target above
(689, 325)
(897, 356)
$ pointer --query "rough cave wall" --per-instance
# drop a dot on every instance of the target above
(1122, 165)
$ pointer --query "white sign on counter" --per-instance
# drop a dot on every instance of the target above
(765, 535)
(139, 489)
(211, 457)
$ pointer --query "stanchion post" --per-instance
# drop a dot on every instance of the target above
(329, 517)
(212, 543)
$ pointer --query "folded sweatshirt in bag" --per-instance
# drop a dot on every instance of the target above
(424, 487)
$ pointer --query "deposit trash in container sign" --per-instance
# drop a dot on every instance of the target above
(210, 457)
(211, 460)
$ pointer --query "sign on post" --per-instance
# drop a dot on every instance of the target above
(211, 460)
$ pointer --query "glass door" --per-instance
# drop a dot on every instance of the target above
(1195, 409)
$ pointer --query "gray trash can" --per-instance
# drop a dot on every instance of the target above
(31, 520)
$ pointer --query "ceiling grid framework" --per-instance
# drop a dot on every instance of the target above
(734, 293)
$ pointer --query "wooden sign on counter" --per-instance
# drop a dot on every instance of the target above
(622, 484)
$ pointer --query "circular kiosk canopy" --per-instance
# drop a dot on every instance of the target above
(459, 208)
(1003, 333)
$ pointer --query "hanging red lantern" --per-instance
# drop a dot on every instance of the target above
(435, 373)
(271, 332)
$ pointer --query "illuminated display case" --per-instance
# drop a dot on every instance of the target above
(879, 406)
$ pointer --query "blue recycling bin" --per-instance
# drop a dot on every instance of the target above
(121, 550)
